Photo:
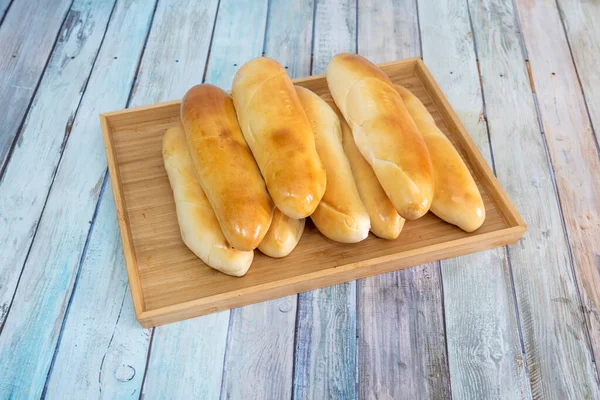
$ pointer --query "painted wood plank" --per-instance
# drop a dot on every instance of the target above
(236, 39)
(583, 32)
(169, 67)
(102, 352)
(27, 344)
(571, 144)
(27, 36)
(43, 136)
(401, 346)
(325, 365)
(260, 345)
(484, 350)
(173, 62)
(557, 356)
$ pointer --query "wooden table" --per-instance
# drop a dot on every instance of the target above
(516, 322)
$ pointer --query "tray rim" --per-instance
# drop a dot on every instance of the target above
(329, 276)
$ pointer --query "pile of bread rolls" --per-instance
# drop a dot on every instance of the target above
(247, 169)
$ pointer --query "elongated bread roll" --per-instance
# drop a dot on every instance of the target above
(278, 132)
(383, 131)
(198, 224)
(283, 235)
(456, 198)
(341, 215)
(225, 166)
(386, 223)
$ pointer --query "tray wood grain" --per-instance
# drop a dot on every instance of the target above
(169, 283)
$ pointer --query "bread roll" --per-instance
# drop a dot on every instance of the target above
(225, 166)
(278, 132)
(198, 224)
(386, 223)
(383, 132)
(456, 198)
(283, 235)
(341, 215)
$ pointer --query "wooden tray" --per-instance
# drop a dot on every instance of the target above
(169, 283)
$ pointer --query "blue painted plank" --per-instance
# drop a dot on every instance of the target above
(31, 330)
(43, 136)
(170, 65)
(27, 36)
(488, 307)
(102, 349)
(325, 365)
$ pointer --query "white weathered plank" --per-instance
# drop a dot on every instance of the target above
(583, 32)
(325, 365)
(27, 36)
(401, 349)
(259, 355)
(31, 330)
(571, 143)
(484, 350)
(388, 30)
(102, 352)
(44, 133)
(558, 359)
(401, 346)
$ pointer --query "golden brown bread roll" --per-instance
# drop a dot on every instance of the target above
(225, 166)
(386, 223)
(198, 224)
(278, 132)
(383, 132)
(283, 235)
(341, 215)
(456, 198)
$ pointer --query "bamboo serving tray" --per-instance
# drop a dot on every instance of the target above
(169, 283)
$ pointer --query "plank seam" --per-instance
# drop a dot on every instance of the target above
(438, 269)
(419, 29)
(356, 30)
(295, 348)
(520, 31)
(141, 396)
(4, 163)
(212, 35)
(312, 42)
(6, 11)
(3, 168)
(558, 199)
(264, 46)
(227, 340)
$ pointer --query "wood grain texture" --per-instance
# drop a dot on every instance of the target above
(571, 145)
(27, 36)
(484, 350)
(558, 359)
(260, 347)
(27, 344)
(102, 351)
(580, 19)
(325, 365)
(401, 344)
(401, 337)
(43, 136)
